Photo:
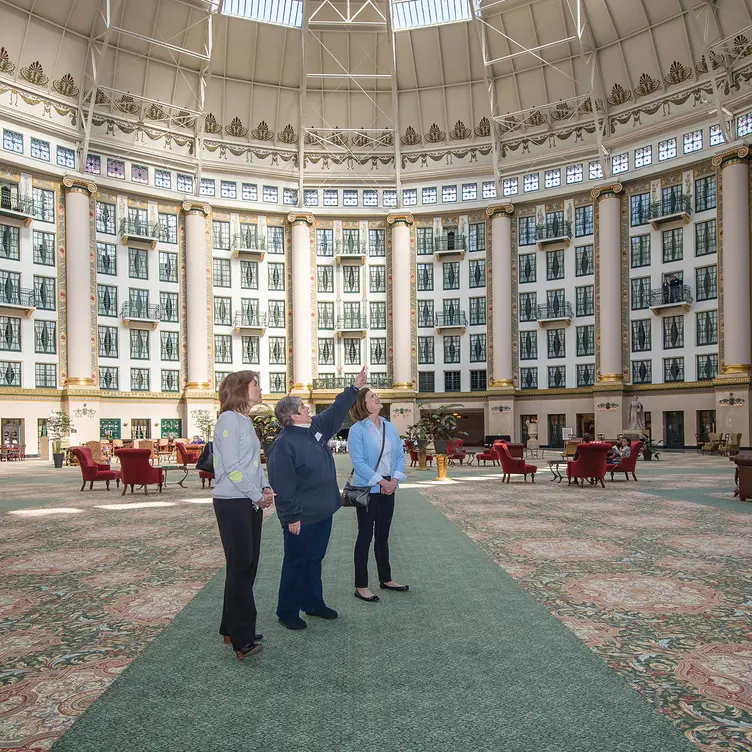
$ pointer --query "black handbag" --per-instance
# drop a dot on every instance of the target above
(359, 496)
(205, 461)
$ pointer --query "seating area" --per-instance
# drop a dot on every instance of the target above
(137, 470)
(723, 444)
(12, 452)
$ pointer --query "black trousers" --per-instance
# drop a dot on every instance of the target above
(376, 518)
(240, 530)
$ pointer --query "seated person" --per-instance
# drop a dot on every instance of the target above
(586, 439)
(617, 454)
(197, 440)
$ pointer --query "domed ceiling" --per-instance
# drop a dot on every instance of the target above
(365, 80)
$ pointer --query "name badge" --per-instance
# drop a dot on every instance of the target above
(317, 436)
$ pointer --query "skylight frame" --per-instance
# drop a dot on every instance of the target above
(285, 13)
(409, 15)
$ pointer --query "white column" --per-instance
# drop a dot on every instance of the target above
(501, 295)
(198, 305)
(81, 338)
(609, 311)
(402, 346)
(303, 310)
(737, 355)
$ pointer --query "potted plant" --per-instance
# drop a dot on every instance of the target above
(59, 427)
(267, 429)
(649, 449)
(440, 425)
(205, 421)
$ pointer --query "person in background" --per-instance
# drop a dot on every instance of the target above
(302, 471)
(622, 452)
(586, 439)
(382, 471)
(197, 440)
(241, 492)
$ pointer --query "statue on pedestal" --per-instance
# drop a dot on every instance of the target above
(636, 419)
(532, 435)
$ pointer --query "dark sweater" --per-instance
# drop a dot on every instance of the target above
(301, 466)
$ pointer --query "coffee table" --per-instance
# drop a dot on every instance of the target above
(554, 466)
(184, 468)
(470, 458)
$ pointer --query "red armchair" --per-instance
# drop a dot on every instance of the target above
(91, 471)
(487, 455)
(511, 464)
(627, 464)
(138, 471)
(516, 451)
(204, 477)
(590, 463)
(186, 455)
(414, 459)
(456, 450)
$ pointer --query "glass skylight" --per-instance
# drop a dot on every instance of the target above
(414, 14)
(279, 12)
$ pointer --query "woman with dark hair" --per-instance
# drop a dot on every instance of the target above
(379, 462)
(241, 491)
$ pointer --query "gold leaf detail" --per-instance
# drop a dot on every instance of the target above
(435, 135)
(648, 85)
(5, 64)
(66, 86)
(460, 132)
(236, 129)
(619, 95)
(287, 135)
(211, 125)
(411, 137)
(484, 128)
(677, 74)
(34, 74)
(262, 132)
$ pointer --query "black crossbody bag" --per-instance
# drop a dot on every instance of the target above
(359, 496)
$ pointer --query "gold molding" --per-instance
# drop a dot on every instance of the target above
(731, 157)
(736, 368)
(406, 218)
(198, 385)
(297, 217)
(79, 381)
(402, 385)
(611, 190)
(194, 207)
(72, 183)
(502, 384)
(611, 378)
(501, 209)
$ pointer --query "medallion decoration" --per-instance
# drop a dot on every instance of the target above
(484, 128)
(536, 119)
(608, 406)
(732, 401)
(677, 74)
(647, 85)
(127, 104)
(155, 112)
(236, 129)
(211, 125)
(563, 111)
(184, 120)
(501, 409)
(5, 64)
(460, 132)
(619, 95)
(66, 86)
(262, 132)
(34, 74)
(411, 137)
(287, 135)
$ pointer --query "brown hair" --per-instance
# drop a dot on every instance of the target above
(359, 411)
(233, 391)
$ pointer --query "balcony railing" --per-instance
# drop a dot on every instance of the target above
(557, 311)
(250, 320)
(139, 311)
(377, 380)
(450, 245)
(133, 229)
(12, 204)
(351, 323)
(671, 296)
(18, 298)
(248, 241)
(556, 232)
(351, 250)
(670, 209)
(458, 319)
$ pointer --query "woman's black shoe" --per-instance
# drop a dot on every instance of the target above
(372, 599)
(399, 588)
(252, 648)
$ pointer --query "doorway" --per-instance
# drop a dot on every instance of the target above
(555, 424)
(585, 424)
(12, 431)
(140, 428)
(674, 429)
(705, 425)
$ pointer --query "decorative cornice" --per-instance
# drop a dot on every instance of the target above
(299, 217)
(78, 184)
(610, 190)
(193, 207)
(731, 157)
(500, 210)
(405, 218)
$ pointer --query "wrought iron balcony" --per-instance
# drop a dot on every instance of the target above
(352, 324)
(376, 380)
(671, 209)
(16, 206)
(135, 231)
(676, 296)
(557, 311)
(250, 320)
(558, 232)
(450, 245)
(350, 250)
(18, 299)
(249, 244)
(456, 320)
(134, 313)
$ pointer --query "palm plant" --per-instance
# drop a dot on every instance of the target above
(437, 424)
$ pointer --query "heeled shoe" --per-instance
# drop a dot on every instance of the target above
(256, 638)
(252, 648)
(398, 589)
(372, 599)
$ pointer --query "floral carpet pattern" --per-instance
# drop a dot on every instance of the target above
(660, 588)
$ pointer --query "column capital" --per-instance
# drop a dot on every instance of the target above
(500, 210)
(405, 218)
(80, 185)
(733, 156)
(610, 190)
(194, 207)
(295, 218)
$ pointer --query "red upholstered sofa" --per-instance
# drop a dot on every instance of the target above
(91, 471)
(511, 464)
(627, 464)
(590, 462)
(138, 471)
(487, 455)
(186, 455)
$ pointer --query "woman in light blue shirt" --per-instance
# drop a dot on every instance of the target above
(364, 445)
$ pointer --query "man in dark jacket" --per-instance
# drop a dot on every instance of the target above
(302, 473)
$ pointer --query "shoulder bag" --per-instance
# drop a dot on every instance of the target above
(206, 460)
(359, 496)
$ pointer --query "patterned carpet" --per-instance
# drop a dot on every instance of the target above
(659, 587)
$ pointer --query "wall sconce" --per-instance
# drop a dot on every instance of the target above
(607, 406)
(125, 425)
(731, 401)
(501, 409)
(156, 425)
